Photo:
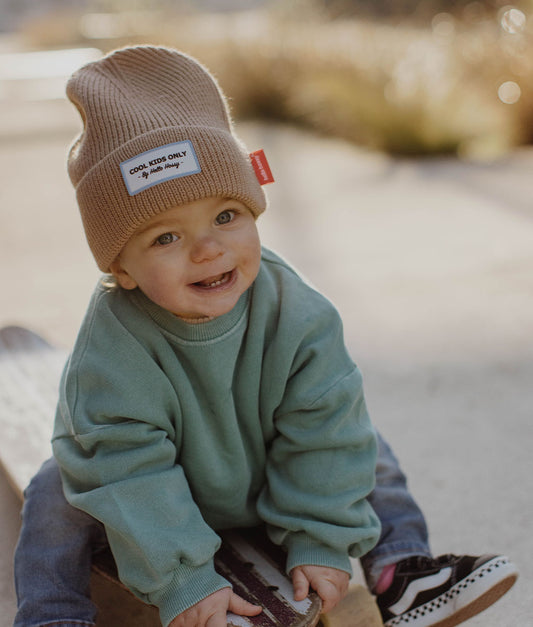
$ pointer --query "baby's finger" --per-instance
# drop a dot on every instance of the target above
(300, 584)
(331, 592)
(330, 596)
(240, 606)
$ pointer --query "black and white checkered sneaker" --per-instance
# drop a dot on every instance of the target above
(444, 591)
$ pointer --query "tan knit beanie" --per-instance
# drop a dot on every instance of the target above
(156, 134)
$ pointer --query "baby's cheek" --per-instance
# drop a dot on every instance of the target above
(159, 294)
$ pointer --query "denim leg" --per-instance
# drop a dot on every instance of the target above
(53, 556)
(403, 527)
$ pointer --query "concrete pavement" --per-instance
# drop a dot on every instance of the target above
(431, 265)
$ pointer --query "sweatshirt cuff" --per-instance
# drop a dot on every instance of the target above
(304, 550)
(190, 585)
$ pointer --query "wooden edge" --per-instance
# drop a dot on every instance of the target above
(12, 481)
(16, 338)
(30, 369)
(357, 609)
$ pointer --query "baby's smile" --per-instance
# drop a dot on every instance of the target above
(221, 280)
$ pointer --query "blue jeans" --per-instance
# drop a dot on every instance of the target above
(403, 527)
(57, 541)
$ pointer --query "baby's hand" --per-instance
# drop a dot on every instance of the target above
(330, 584)
(211, 611)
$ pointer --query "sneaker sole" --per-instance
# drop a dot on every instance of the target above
(468, 597)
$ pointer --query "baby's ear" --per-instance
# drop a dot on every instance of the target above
(122, 276)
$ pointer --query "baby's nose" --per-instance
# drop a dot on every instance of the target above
(205, 249)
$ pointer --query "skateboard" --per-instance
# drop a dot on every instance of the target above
(30, 370)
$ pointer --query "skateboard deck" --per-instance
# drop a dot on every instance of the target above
(30, 370)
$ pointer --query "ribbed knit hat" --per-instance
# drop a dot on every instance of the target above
(156, 134)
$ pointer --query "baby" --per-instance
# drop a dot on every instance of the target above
(209, 386)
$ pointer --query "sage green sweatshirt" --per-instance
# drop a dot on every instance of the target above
(168, 431)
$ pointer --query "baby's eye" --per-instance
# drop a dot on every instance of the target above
(165, 239)
(225, 217)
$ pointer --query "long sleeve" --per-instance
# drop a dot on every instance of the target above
(321, 462)
(117, 444)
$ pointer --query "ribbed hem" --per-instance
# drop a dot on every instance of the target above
(185, 333)
(190, 586)
(303, 550)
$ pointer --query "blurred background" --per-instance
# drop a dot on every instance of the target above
(400, 137)
(408, 77)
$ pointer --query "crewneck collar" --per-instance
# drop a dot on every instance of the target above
(186, 332)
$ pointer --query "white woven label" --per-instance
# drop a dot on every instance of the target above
(160, 164)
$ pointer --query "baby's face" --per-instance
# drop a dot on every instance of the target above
(194, 260)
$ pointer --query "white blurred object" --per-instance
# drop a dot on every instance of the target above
(31, 76)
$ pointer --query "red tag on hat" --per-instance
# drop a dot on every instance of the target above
(261, 167)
